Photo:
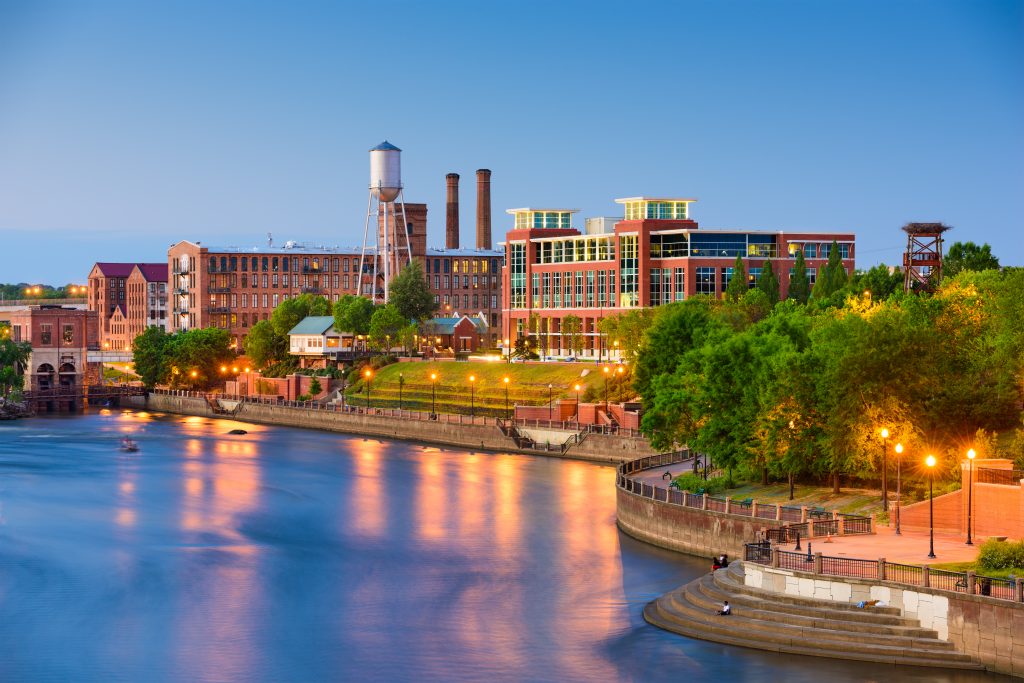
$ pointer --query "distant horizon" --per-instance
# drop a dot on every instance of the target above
(128, 127)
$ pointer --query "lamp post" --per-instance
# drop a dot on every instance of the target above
(368, 374)
(401, 383)
(885, 471)
(617, 356)
(433, 394)
(472, 394)
(930, 462)
(899, 460)
(607, 375)
(551, 403)
(508, 352)
(577, 388)
(970, 491)
(505, 379)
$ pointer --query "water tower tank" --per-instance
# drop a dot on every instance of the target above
(385, 171)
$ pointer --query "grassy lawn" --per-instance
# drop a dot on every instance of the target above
(528, 385)
(850, 500)
(973, 567)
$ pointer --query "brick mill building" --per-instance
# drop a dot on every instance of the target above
(61, 339)
(655, 255)
(128, 298)
(233, 287)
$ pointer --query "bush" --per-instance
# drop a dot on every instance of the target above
(1001, 555)
(303, 397)
(693, 483)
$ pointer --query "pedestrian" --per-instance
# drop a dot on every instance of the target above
(726, 609)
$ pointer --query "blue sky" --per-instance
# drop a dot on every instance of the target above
(126, 126)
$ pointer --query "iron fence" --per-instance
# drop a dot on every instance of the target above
(848, 566)
(767, 511)
(791, 514)
(955, 582)
(904, 573)
(693, 500)
(716, 504)
(995, 587)
(856, 524)
(801, 561)
(826, 527)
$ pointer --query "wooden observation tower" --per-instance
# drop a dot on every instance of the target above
(922, 262)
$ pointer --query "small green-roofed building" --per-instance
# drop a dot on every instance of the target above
(316, 343)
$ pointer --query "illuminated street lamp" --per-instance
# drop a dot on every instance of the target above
(368, 374)
(433, 395)
(577, 388)
(551, 401)
(401, 383)
(930, 462)
(970, 491)
(607, 374)
(885, 471)
(472, 394)
(508, 352)
(506, 380)
(899, 452)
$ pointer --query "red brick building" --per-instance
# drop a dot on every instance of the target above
(235, 287)
(61, 339)
(654, 255)
(128, 298)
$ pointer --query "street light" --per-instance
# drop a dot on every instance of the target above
(607, 373)
(970, 491)
(551, 402)
(433, 393)
(508, 352)
(885, 480)
(577, 388)
(472, 394)
(401, 383)
(617, 356)
(899, 452)
(368, 374)
(930, 462)
(505, 379)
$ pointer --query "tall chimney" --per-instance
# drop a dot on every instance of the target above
(451, 230)
(483, 209)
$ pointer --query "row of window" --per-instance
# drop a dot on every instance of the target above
(580, 289)
(452, 300)
(451, 281)
(656, 210)
(575, 250)
(452, 265)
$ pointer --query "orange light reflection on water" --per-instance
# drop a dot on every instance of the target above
(367, 513)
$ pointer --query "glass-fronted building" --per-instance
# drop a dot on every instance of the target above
(656, 254)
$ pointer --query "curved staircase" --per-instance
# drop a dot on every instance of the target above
(783, 623)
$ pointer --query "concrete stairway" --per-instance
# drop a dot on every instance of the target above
(784, 623)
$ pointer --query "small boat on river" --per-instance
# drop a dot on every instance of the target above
(129, 446)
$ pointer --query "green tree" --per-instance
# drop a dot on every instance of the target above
(968, 256)
(833, 277)
(625, 331)
(878, 281)
(799, 283)
(768, 283)
(385, 325)
(149, 353)
(291, 312)
(572, 333)
(315, 387)
(263, 345)
(737, 286)
(410, 294)
(13, 360)
(352, 314)
(202, 351)
(680, 328)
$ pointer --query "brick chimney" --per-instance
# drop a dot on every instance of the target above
(451, 230)
(483, 209)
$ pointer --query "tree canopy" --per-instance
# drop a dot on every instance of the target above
(352, 314)
(410, 294)
(13, 359)
(963, 256)
(190, 358)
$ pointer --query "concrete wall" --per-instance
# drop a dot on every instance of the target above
(991, 631)
(687, 530)
(597, 447)
(948, 511)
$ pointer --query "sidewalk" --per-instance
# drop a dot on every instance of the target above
(909, 548)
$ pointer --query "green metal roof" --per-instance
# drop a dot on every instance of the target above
(314, 324)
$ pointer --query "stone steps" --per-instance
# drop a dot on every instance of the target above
(781, 623)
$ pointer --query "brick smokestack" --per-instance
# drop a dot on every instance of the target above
(451, 229)
(483, 209)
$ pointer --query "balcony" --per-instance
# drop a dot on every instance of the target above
(219, 309)
(312, 290)
(220, 290)
(311, 269)
(181, 291)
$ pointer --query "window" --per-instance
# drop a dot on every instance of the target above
(265, 279)
(726, 277)
(579, 289)
(706, 281)
(265, 301)
(556, 284)
(535, 290)
(46, 333)
(69, 334)
(601, 289)
(546, 291)
(494, 301)
(680, 289)
(447, 282)
(276, 300)
(284, 264)
(465, 282)
(655, 290)
(753, 276)
(517, 275)
(628, 260)
(590, 289)
(266, 264)
(275, 264)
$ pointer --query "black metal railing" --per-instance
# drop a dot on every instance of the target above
(904, 573)
(988, 475)
(848, 566)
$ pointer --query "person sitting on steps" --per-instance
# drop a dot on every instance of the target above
(726, 609)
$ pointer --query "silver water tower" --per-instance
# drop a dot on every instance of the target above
(385, 189)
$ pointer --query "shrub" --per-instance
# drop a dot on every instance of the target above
(303, 397)
(693, 483)
(315, 387)
(1001, 555)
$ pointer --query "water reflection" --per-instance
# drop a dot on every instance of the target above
(284, 555)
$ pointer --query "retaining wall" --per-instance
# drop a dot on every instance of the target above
(688, 530)
(596, 447)
(991, 631)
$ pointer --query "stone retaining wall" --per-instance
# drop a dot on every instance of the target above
(688, 530)
(991, 631)
(596, 447)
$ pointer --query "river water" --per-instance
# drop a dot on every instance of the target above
(291, 555)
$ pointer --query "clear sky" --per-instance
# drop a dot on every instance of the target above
(126, 126)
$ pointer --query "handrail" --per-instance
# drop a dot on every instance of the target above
(913, 576)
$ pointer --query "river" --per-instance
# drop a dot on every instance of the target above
(292, 555)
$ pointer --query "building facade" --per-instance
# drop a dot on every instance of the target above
(654, 255)
(233, 288)
(60, 338)
(127, 298)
